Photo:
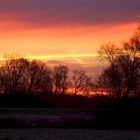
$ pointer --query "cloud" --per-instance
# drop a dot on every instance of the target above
(69, 12)
(92, 66)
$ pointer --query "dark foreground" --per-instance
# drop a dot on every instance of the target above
(106, 119)
(67, 134)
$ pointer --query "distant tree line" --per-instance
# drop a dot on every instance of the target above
(120, 78)
(19, 75)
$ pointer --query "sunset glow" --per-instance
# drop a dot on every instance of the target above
(71, 31)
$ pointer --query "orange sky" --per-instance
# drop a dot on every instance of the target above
(72, 45)
(65, 31)
(68, 40)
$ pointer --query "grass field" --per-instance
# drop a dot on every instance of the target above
(67, 134)
(57, 124)
(69, 118)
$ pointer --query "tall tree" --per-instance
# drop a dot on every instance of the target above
(122, 75)
(11, 74)
(60, 79)
(111, 81)
(80, 82)
(39, 77)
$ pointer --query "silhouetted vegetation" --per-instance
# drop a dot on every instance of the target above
(19, 75)
(112, 103)
(33, 83)
(80, 82)
(121, 78)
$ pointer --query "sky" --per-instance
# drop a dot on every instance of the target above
(66, 31)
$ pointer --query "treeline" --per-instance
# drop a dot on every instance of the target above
(120, 78)
(19, 75)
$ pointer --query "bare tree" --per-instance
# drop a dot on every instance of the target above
(20, 75)
(111, 81)
(39, 77)
(122, 75)
(60, 79)
(11, 74)
(80, 82)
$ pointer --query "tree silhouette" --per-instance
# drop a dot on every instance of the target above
(111, 81)
(39, 77)
(122, 75)
(80, 82)
(11, 74)
(60, 79)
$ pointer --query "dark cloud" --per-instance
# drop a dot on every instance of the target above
(70, 12)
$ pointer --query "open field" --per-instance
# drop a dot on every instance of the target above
(67, 134)
(41, 117)
(69, 118)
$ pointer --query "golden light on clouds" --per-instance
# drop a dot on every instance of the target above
(49, 57)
